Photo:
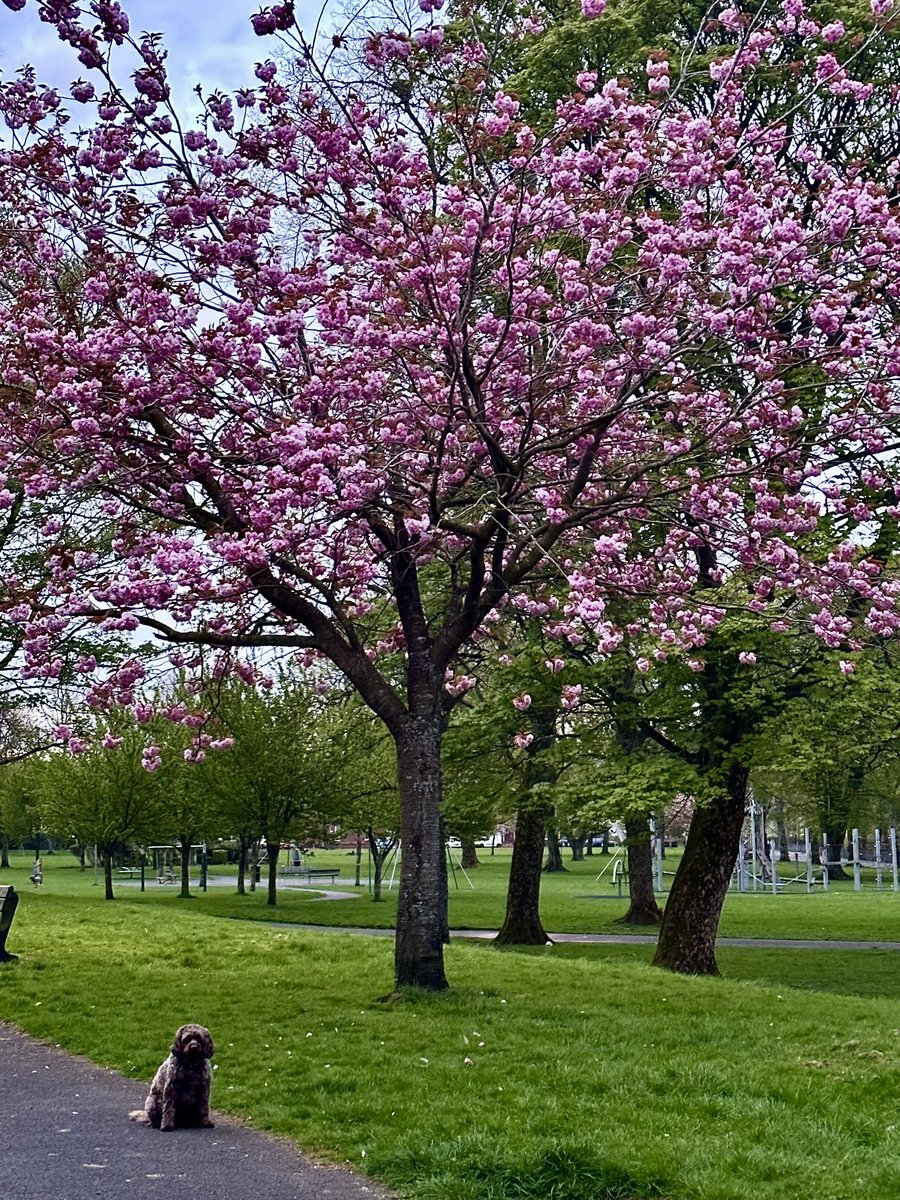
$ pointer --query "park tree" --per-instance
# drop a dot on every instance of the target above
(276, 763)
(105, 793)
(495, 348)
(830, 752)
(17, 820)
(364, 786)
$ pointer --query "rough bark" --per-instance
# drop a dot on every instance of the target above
(243, 850)
(422, 899)
(522, 924)
(4, 853)
(273, 849)
(687, 937)
(834, 835)
(554, 852)
(643, 908)
(109, 894)
(577, 846)
(469, 857)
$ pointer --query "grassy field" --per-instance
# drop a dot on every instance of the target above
(572, 902)
(573, 1072)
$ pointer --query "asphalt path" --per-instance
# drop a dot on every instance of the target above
(610, 939)
(66, 1135)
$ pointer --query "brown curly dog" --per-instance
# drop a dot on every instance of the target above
(179, 1093)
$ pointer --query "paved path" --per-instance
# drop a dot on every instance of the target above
(614, 939)
(66, 1136)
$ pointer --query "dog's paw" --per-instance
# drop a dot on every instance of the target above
(139, 1116)
(207, 1124)
(167, 1128)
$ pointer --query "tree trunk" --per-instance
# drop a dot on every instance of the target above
(642, 909)
(108, 874)
(577, 844)
(469, 854)
(784, 845)
(687, 938)
(186, 868)
(522, 924)
(272, 851)
(554, 853)
(834, 835)
(422, 900)
(243, 848)
(4, 853)
(379, 858)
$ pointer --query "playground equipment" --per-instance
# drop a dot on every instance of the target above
(756, 869)
(394, 856)
(164, 862)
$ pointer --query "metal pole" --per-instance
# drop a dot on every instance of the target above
(809, 865)
(204, 864)
(857, 880)
(878, 865)
(824, 863)
(753, 845)
(143, 866)
(894, 859)
(772, 848)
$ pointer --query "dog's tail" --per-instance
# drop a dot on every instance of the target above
(140, 1116)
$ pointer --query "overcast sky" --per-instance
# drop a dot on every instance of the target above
(209, 41)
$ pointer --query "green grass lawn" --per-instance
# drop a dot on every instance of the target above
(576, 1072)
(571, 1073)
(572, 902)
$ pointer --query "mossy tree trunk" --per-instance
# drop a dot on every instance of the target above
(469, 856)
(643, 908)
(687, 937)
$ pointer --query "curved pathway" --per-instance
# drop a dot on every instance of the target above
(66, 1136)
(612, 939)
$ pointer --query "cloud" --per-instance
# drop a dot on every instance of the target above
(211, 43)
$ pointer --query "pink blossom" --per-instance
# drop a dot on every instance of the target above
(522, 702)
(523, 740)
(747, 657)
(593, 8)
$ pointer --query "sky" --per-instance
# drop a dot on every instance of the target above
(209, 41)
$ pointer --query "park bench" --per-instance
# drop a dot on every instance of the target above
(9, 901)
(129, 871)
(321, 873)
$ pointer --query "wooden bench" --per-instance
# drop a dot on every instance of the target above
(9, 901)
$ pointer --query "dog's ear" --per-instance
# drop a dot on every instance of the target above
(176, 1046)
(209, 1048)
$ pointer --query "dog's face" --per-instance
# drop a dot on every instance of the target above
(194, 1043)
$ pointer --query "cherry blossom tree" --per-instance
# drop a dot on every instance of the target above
(348, 378)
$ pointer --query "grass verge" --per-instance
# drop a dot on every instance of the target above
(565, 1073)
